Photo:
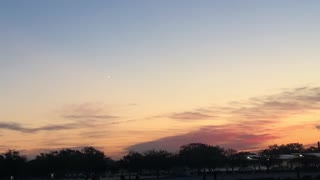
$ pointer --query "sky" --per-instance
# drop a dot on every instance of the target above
(140, 75)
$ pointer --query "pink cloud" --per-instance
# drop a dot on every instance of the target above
(225, 136)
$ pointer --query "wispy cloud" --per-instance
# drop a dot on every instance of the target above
(124, 121)
(189, 116)
(271, 107)
(19, 127)
(84, 117)
(94, 134)
(87, 111)
(298, 100)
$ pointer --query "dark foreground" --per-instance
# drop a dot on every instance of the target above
(235, 176)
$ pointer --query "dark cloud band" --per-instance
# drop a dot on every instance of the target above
(21, 128)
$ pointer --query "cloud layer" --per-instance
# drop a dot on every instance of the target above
(248, 123)
(243, 125)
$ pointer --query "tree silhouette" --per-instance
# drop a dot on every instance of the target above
(291, 148)
(69, 162)
(197, 156)
(13, 163)
(132, 162)
(269, 156)
(201, 156)
(2, 165)
(312, 149)
(231, 159)
(242, 159)
(194, 155)
(158, 160)
(94, 161)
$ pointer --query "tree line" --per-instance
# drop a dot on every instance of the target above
(196, 156)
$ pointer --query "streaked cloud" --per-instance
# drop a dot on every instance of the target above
(87, 111)
(124, 121)
(189, 116)
(94, 134)
(271, 107)
(83, 117)
(21, 128)
(290, 102)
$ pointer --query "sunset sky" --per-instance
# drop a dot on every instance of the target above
(139, 74)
